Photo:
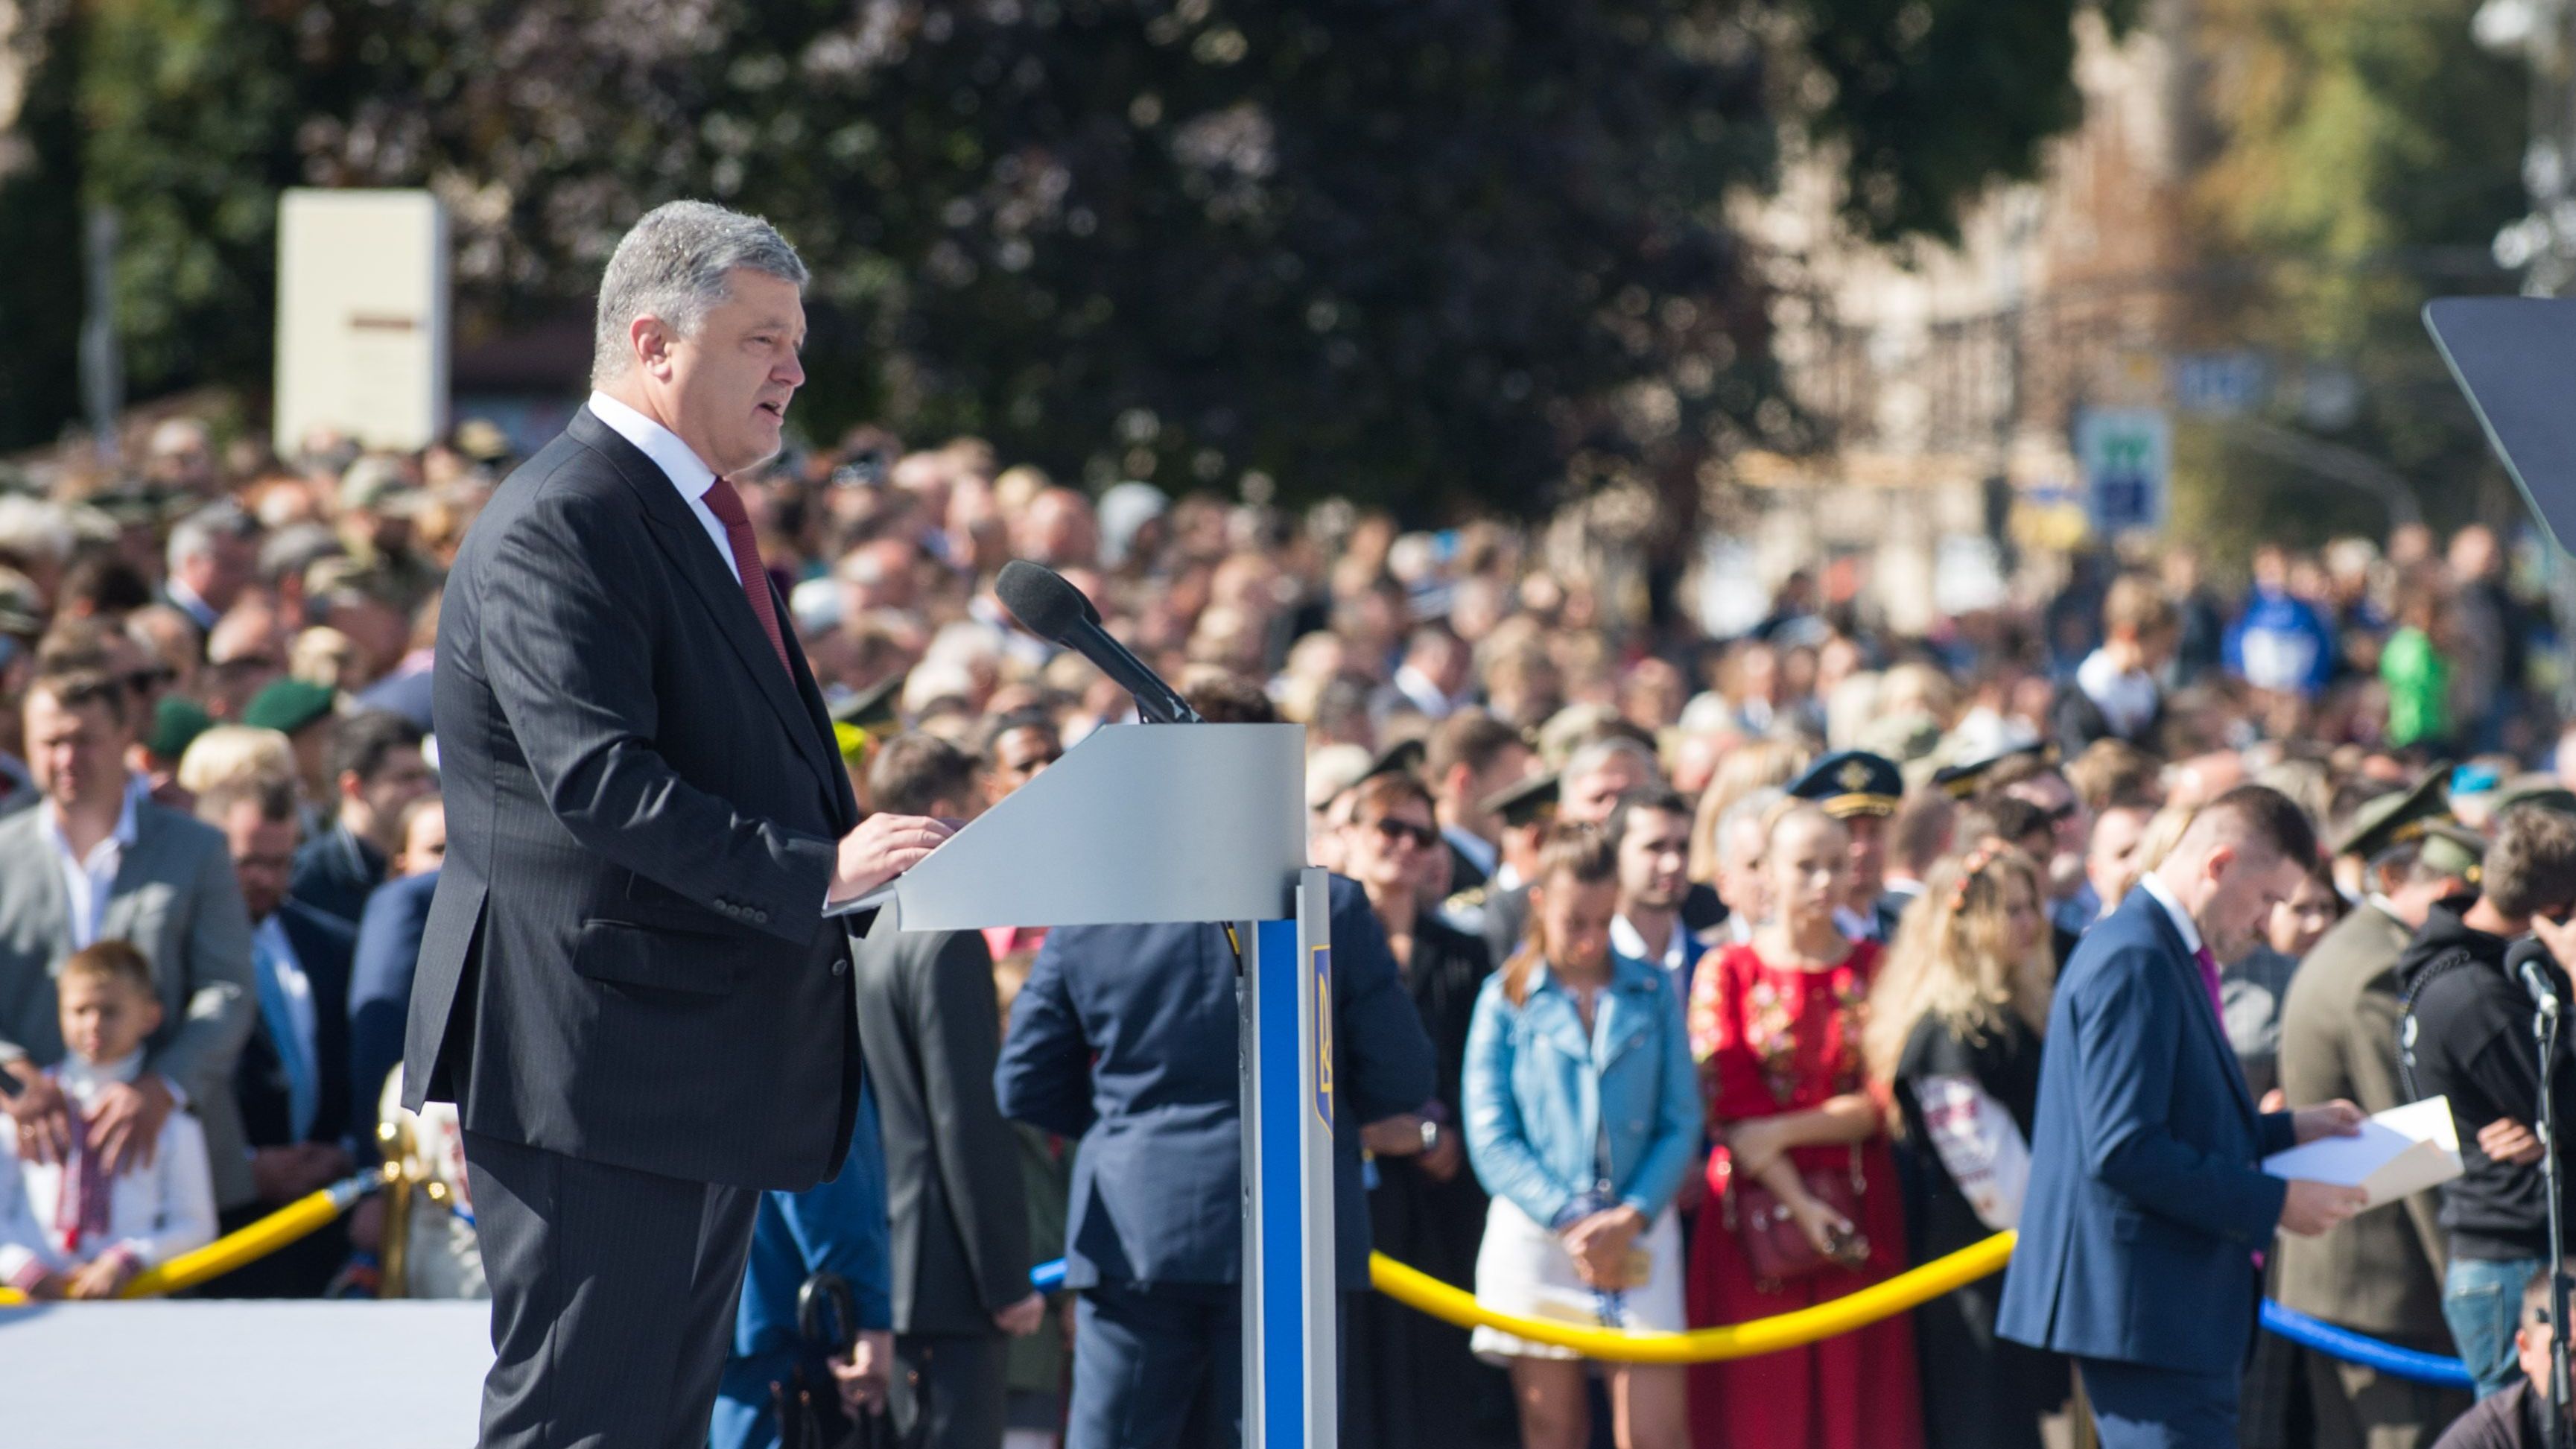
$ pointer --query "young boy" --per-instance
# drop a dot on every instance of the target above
(68, 1230)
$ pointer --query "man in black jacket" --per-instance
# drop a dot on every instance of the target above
(2467, 1036)
(931, 1028)
(627, 983)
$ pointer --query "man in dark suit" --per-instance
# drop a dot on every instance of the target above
(1126, 1037)
(627, 983)
(932, 1027)
(380, 973)
(292, 1082)
(1472, 757)
(2147, 1200)
(375, 765)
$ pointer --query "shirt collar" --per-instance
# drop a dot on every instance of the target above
(686, 470)
(1628, 941)
(128, 817)
(80, 1078)
(2173, 908)
(1479, 853)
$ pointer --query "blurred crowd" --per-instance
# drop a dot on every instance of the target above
(1816, 879)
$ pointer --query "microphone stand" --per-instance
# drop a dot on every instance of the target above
(2544, 1029)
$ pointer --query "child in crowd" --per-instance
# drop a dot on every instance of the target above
(67, 1229)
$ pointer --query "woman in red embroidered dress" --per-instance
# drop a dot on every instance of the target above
(1776, 1026)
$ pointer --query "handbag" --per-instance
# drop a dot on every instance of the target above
(1776, 1247)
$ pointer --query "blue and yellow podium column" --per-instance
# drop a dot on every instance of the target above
(1291, 1347)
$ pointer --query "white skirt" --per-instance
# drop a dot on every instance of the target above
(1523, 1269)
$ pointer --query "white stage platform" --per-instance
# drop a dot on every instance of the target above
(216, 1375)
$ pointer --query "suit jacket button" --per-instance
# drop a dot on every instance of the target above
(839, 965)
(761, 916)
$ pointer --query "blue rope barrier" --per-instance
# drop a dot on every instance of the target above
(2351, 1347)
(2289, 1323)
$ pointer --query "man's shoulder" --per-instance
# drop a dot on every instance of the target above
(2498, 1421)
(309, 927)
(179, 832)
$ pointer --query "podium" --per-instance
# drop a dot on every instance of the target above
(1177, 823)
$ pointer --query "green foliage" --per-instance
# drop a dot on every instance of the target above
(1436, 253)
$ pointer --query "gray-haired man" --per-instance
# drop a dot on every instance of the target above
(627, 984)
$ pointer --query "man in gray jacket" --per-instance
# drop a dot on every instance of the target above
(98, 860)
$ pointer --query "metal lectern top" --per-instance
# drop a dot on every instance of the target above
(1137, 824)
(2515, 358)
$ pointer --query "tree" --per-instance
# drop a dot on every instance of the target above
(1435, 254)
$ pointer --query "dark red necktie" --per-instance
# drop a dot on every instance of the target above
(726, 505)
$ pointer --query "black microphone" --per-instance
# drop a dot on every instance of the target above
(2530, 961)
(1057, 612)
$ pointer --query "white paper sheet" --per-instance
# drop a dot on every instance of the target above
(2400, 1151)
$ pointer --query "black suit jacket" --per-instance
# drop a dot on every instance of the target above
(323, 948)
(335, 872)
(627, 960)
(959, 1219)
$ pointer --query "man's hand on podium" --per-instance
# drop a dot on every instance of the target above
(883, 847)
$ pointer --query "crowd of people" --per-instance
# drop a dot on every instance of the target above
(1680, 981)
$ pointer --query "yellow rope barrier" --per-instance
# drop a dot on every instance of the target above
(1416, 1289)
(297, 1219)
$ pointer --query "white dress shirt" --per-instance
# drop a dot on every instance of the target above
(2173, 908)
(1672, 958)
(89, 880)
(678, 462)
(156, 1211)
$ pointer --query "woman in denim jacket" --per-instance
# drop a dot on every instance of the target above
(1583, 1114)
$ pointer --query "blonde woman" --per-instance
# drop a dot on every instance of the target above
(1759, 765)
(1953, 1037)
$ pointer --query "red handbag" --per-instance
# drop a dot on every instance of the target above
(1778, 1250)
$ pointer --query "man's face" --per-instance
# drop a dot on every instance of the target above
(1654, 860)
(402, 777)
(1589, 798)
(2110, 861)
(263, 856)
(76, 753)
(731, 382)
(2251, 880)
(1868, 859)
(220, 573)
(1510, 765)
(1018, 758)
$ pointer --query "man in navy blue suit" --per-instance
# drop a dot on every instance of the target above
(2147, 1199)
(1125, 1037)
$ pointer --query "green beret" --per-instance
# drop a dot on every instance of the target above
(176, 723)
(289, 705)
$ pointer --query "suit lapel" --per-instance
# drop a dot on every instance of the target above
(46, 870)
(683, 540)
(2196, 994)
(134, 869)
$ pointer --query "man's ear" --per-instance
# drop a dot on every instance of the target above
(2222, 860)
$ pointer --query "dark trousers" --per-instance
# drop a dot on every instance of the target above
(1157, 1366)
(2138, 1407)
(952, 1390)
(613, 1296)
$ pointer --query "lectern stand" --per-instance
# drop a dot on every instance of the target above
(1157, 824)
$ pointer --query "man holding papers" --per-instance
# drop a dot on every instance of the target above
(2147, 1201)
(2469, 1037)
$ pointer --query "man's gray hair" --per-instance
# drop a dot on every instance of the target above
(1747, 811)
(1600, 752)
(196, 534)
(673, 265)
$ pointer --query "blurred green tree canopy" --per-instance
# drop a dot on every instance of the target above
(1424, 252)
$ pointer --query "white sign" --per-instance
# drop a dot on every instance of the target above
(2127, 457)
(362, 317)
